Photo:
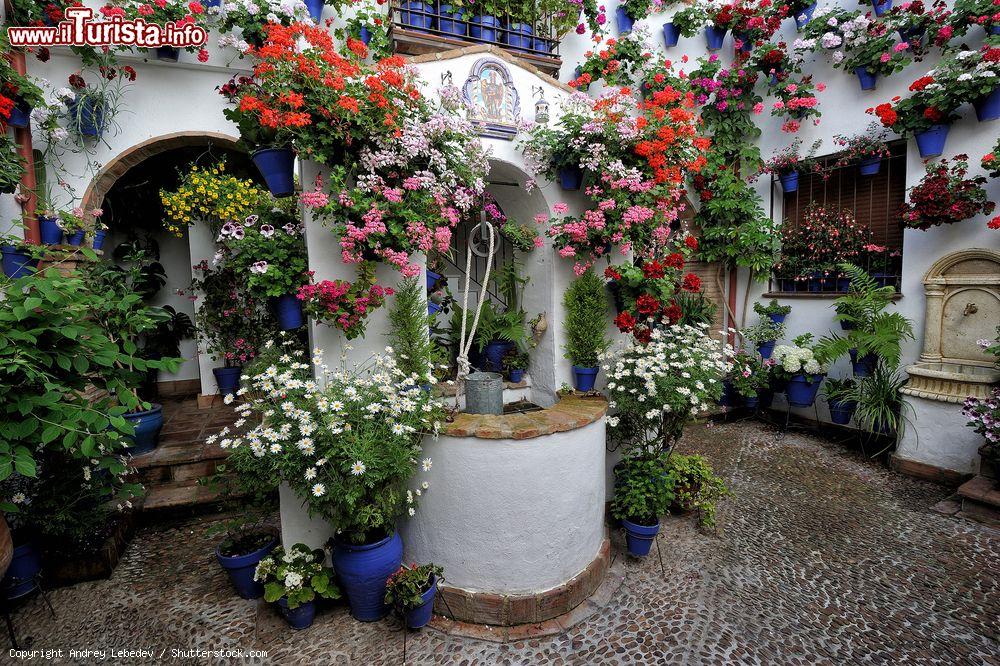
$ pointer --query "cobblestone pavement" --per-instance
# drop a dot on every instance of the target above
(820, 557)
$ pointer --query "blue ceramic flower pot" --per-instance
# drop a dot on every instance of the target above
(300, 617)
(228, 379)
(450, 22)
(765, 349)
(50, 231)
(881, 6)
(801, 390)
(714, 37)
(750, 403)
(884, 279)
(988, 108)
(24, 567)
(841, 412)
(671, 35)
(241, 569)
(777, 318)
(365, 35)
(91, 116)
(484, 28)
(494, 354)
(846, 325)
(167, 54)
(867, 79)
(99, 237)
(432, 279)
(864, 366)
(870, 166)
(276, 165)
(911, 34)
(288, 310)
(639, 538)
(315, 8)
(994, 30)
(147, 426)
(571, 178)
(802, 18)
(519, 36)
(931, 142)
(433, 308)
(20, 115)
(789, 181)
(77, 237)
(17, 262)
(623, 20)
(516, 376)
(420, 616)
(363, 570)
(584, 378)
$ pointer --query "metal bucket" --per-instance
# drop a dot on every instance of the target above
(484, 393)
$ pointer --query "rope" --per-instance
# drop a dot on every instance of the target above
(465, 343)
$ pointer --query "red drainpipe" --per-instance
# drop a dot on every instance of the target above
(23, 139)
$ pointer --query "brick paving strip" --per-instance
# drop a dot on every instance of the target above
(820, 558)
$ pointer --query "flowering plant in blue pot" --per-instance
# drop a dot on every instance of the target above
(644, 491)
(411, 590)
(802, 367)
(747, 377)
(866, 149)
(294, 579)
(763, 335)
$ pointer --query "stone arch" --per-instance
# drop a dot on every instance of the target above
(976, 262)
(117, 167)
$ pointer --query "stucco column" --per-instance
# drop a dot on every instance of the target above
(933, 309)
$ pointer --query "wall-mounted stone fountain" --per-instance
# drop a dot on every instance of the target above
(962, 292)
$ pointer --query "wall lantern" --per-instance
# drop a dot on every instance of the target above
(541, 106)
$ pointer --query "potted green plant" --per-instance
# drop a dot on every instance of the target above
(523, 237)
(696, 487)
(644, 491)
(408, 327)
(870, 333)
(763, 335)
(788, 163)
(586, 336)
(867, 149)
(91, 107)
(515, 362)
(838, 394)
(879, 403)
(411, 589)
(554, 150)
(746, 378)
(773, 310)
(502, 327)
(294, 579)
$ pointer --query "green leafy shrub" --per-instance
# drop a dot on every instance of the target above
(696, 487)
(404, 588)
(585, 304)
(297, 575)
(644, 488)
(408, 325)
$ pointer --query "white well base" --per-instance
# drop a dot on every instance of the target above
(936, 435)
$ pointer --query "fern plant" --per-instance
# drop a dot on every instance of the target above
(872, 330)
(585, 304)
(408, 331)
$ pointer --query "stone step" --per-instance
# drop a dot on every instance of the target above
(179, 495)
(981, 500)
(178, 463)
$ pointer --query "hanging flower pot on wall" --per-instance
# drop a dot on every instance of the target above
(870, 166)
(864, 366)
(930, 142)
(363, 570)
(988, 107)
(624, 21)
(366, 34)
(315, 8)
(671, 34)
(881, 6)
(20, 114)
(99, 237)
(714, 37)
(276, 165)
(789, 181)
(571, 178)
(288, 310)
(802, 18)
(88, 116)
(867, 79)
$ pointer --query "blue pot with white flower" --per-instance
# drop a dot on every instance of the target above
(802, 389)
(363, 569)
(228, 379)
(881, 6)
(300, 617)
(241, 568)
(802, 18)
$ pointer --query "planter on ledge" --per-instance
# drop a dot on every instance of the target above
(450, 21)
(519, 36)
(624, 21)
(801, 390)
(584, 378)
(77, 238)
(241, 569)
(870, 166)
(802, 18)
(17, 263)
(484, 28)
(931, 141)
(363, 570)
(99, 237)
(228, 379)
(276, 165)
(147, 426)
(516, 376)
(639, 538)
(49, 229)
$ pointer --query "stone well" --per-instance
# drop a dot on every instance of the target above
(515, 513)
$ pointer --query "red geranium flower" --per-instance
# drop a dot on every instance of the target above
(625, 322)
(691, 282)
(652, 270)
(647, 305)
